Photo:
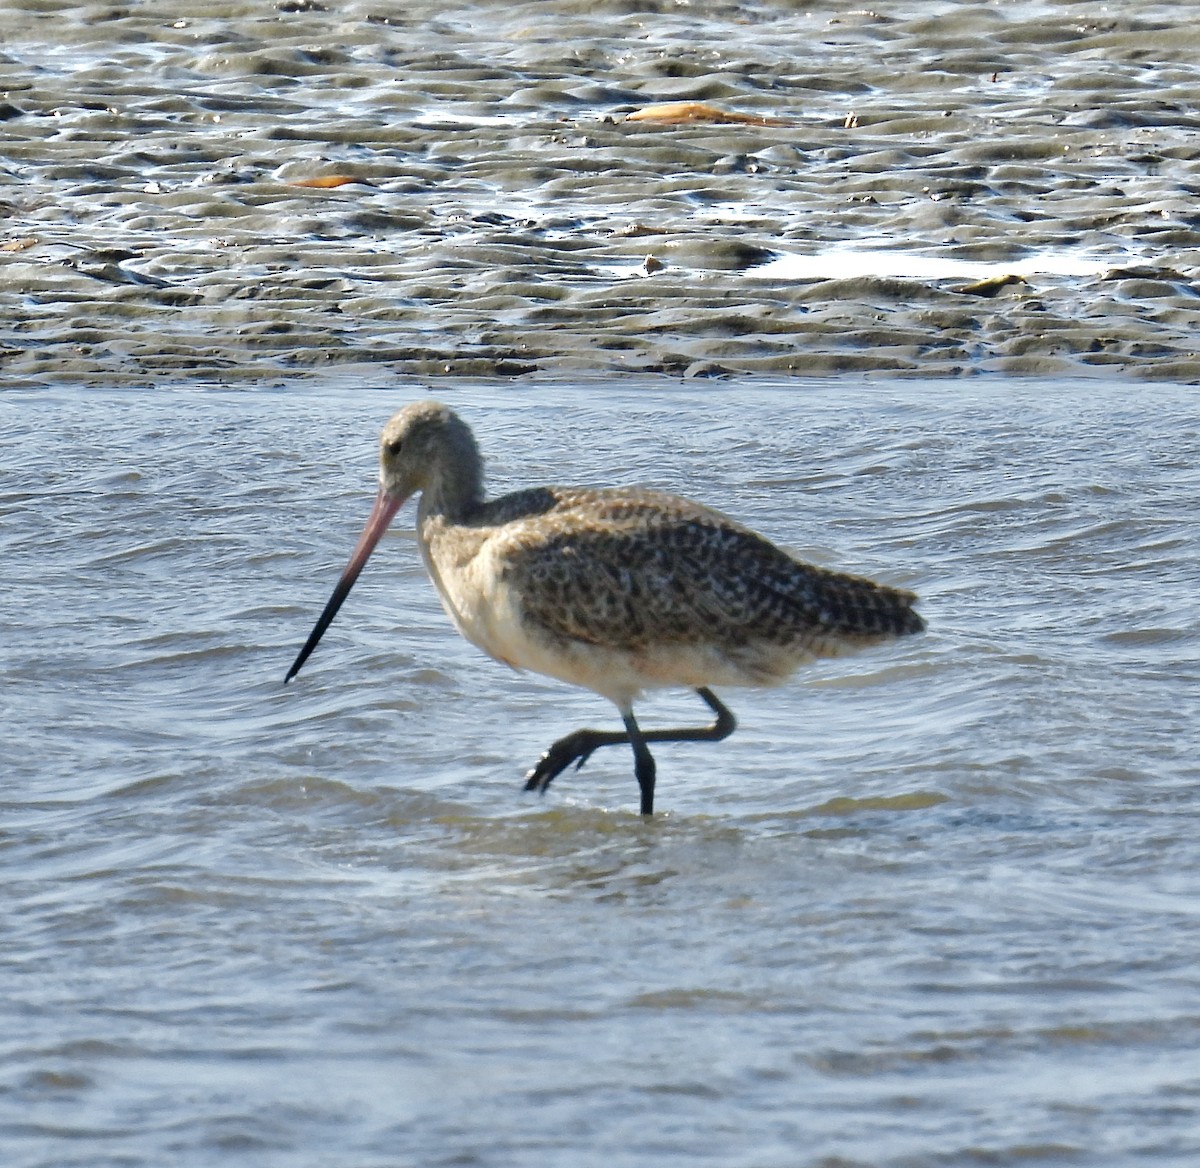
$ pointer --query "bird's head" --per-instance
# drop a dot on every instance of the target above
(426, 448)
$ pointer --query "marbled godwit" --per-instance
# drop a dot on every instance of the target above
(616, 590)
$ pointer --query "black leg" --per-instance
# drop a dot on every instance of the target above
(643, 763)
(577, 746)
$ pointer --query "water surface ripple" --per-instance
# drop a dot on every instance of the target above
(934, 905)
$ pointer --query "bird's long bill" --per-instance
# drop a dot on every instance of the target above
(385, 509)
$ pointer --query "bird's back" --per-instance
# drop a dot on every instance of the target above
(643, 572)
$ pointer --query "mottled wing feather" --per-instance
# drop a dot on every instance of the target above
(635, 569)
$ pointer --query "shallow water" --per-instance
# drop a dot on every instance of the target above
(150, 158)
(932, 905)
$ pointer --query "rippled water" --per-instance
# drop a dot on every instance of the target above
(933, 905)
(504, 206)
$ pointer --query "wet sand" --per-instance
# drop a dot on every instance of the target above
(509, 218)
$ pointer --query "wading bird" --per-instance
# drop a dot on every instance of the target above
(617, 590)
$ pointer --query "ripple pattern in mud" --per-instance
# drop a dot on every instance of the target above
(504, 206)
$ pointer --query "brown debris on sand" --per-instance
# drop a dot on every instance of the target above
(681, 113)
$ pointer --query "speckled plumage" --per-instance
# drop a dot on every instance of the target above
(633, 568)
(617, 590)
(650, 574)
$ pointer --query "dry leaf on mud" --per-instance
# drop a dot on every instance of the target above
(988, 287)
(328, 181)
(678, 113)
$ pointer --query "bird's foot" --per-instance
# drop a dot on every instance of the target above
(574, 748)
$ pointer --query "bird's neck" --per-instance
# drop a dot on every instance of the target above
(457, 492)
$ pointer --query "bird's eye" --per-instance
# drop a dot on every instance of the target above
(393, 448)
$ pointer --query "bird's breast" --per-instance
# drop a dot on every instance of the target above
(465, 587)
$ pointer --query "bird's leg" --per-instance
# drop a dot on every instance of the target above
(723, 727)
(643, 761)
(577, 746)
